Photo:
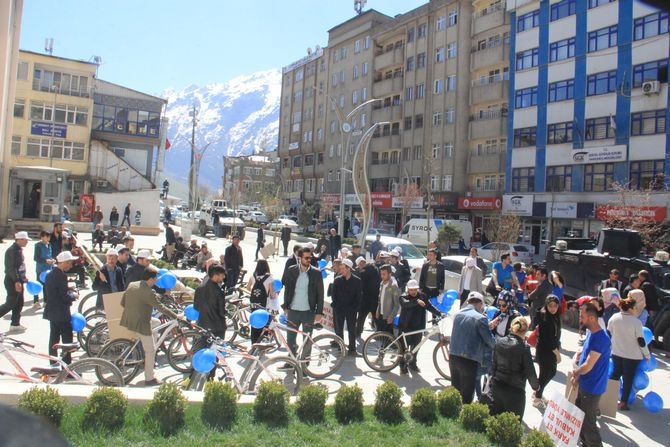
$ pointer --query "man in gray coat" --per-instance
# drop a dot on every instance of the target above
(471, 279)
(389, 300)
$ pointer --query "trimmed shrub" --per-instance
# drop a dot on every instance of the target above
(165, 412)
(536, 438)
(219, 405)
(105, 409)
(473, 416)
(449, 402)
(504, 429)
(349, 404)
(44, 402)
(423, 407)
(388, 403)
(271, 404)
(311, 404)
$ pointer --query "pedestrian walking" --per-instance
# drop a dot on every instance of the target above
(548, 349)
(285, 237)
(126, 215)
(44, 261)
(260, 239)
(15, 277)
(233, 262)
(58, 299)
(347, 296)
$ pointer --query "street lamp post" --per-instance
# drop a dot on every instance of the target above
(191, 174)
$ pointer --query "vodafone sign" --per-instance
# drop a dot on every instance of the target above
(479, 203)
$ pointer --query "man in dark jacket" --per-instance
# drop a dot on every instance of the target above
(431, 279)
(370, 282)
(260, 239)
(109, 278)
(56, 239)
(210, 302)
(15, 276)
(303, 297)
(136, 271)
(58, 299)
(285, 236)
(347, 295)
(650, 295)
(170, 240)
(538, 297)
(126, 215)
(234, 262)
(335, 243)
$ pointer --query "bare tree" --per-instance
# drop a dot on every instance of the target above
(504, 229)
(407, 196)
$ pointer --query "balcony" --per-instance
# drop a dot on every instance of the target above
(390, 58)
(489, 56)
(390, 114)
(384, 143)
(487, 163)
(386, 87)
(489, 18)
(494, 91)
(487, 128)
(383, 171)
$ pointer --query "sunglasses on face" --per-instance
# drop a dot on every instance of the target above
(307, 258)
(502, 304)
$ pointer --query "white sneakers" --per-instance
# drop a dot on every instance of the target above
(37, 306)
(16, 329)
(540, 403)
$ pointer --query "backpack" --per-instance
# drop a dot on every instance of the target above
(259, 294)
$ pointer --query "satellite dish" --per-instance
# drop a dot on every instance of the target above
(309, 51)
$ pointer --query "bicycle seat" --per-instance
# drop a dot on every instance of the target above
(68, 347)
(264, 346)
(47, 370)
(234, 300)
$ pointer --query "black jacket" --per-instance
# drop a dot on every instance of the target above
(402, 273)
(335, 243)
(260, 236)
(371, 281)
(210, 301)
(134, 273)
(513, 364)
(314, 291)
(650, 296)
(56, 242)
(285, 234)
(412, 314)
(549, 333)
(104, 287)
(424, 275)
(15, 267)
(232, 257)
(347, 293)
(540, 294)
(58, 298)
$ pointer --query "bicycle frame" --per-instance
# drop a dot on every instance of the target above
(283, 342)
(164, 329)
(20, 373)
(241, 385)
(425, 336)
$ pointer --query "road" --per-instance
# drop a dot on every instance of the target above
(635, 427)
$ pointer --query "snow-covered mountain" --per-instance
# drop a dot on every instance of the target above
(238, 117)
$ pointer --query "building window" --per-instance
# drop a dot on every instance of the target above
(418, 152)
(420, 91)
(562, 90)
(357, 47)
(447, 183)
(525, 137)
(395, 155)
(319, 158)
(603, 38)
(562, 9)
(559, 133)
(651, 71)
(354, 74)
(297, 161)
(598, 177)
(450, 116)
(437, 148)
(439, 86)
(437, 119)
(599, 128)
(284, 162)
(385, 158)
(337, 176)
(523, 179)
(309, 160)
(563, 49)
(527, 59)
(16, 145)
(528, 21)
(366, 42)
(410, 35)
(439, 54)
(647, 174)
(452, 50)
(648, 123)
(354, 97)
(410, 63)
(601, 83)
(453, 17)
(365, 69)
(451, 83)
(19, 108)
(418, 121)
(63, 83)
(422, 31)
(652, 25)
(22, 71)
(596, 3)
(448, 150)
(58, 149)
(421, 60)
(440, 23)
(405, 154)
(409, 93)
(408, 123)
(559, 178)
(526, 97)
(70, 114)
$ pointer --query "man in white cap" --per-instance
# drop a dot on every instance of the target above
(109, 278)
(58, 299)
(347, 294)
(15, 276)
(136, 272)
(470, 337)
(370, 293)
(402, 271)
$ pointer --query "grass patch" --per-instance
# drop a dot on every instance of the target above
(248, 433)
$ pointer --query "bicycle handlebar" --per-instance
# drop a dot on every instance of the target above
(13, 341)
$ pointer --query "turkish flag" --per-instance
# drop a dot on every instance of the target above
(167, 144)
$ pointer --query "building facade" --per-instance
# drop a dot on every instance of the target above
(248, 179)
(588, 108)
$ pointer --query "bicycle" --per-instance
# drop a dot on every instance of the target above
(81, 371)
(258, 369)
(128, 355)
(382, 351)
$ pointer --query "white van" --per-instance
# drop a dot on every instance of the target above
(415, 230)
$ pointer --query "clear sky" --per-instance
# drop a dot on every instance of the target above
(153, 45)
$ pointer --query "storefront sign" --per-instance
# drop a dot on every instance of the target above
(479, 203)
(601, 154)
(330, 199)
(48, 129)
(381, 199)
(562, 210)
(351, 199)
(403, 202)
(444, 200)
(518, 204)
(645, 213)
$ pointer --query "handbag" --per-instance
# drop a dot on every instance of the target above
(532, 338)
(491, 289)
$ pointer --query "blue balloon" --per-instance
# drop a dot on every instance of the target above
(396, 320)
(324, 274)
(204, 360)
(259, 318)
(161, 272)
(610, 368)
(648, 365)
(277, 285)
(78, 322)
(43, 275)
(491, 311)
(322, 264)
(33, 287)
(283, 319)
(166, 281)
(647, 334)
(191, 313)
(451, 293)
(653, 402)
(641, 380)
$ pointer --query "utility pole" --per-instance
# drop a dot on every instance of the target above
(191, 177)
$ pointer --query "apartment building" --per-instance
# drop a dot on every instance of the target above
(248, 178)
(588, 108)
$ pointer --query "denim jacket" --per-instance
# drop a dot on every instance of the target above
(470, 336)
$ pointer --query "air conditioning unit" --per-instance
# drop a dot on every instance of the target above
(102, 183)
(651, 87)
(50, 209)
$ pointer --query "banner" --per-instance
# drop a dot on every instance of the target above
(562, 421)
(643, 213)
(86, 207)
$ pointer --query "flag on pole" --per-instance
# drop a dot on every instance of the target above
(167, 144)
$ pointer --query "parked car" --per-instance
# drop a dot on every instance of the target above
(414, 256)
(278, 224)
(256, 216)
(518, 252)
(453, 265)
(292, 217)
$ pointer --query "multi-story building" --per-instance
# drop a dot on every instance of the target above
(247, 179)
(588, 109)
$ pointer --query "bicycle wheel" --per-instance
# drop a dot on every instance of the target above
(381, 352)
(96, 339)
(92, 320)
(126, 355)
(180, 351)
(87, 301)
(326, 356)
(441, 357)
(91, 371)
(282, 370)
